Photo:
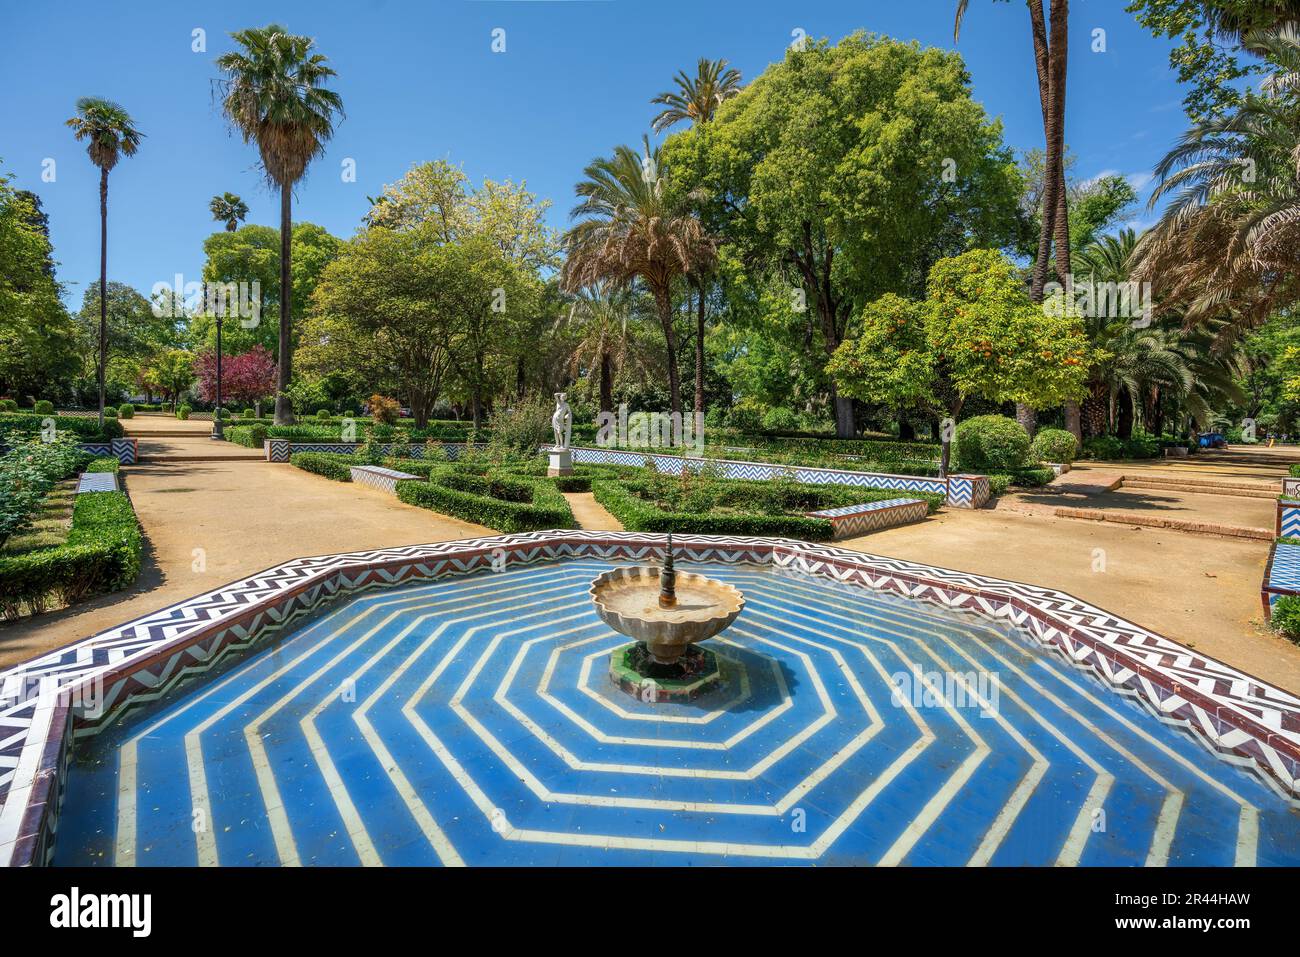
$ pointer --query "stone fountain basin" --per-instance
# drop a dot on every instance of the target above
(627, 599)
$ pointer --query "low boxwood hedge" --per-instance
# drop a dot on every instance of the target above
(498, 501)
(103, 463)
(249, 436)
(336, 467)
(16, 426)
(101, 554)
(624, 501)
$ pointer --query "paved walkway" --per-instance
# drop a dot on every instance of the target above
(590, 514)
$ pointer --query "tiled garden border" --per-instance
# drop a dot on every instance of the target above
(1238, 716)
(1281, 575)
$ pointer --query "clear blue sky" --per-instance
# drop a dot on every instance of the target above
(419, 81)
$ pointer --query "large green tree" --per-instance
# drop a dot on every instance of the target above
(845, 172)
(274, 93)
(38, 340)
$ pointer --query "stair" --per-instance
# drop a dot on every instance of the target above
(1204, 486)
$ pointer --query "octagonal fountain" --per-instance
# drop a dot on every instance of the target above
(452, 703)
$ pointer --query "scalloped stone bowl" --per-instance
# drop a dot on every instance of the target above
(627, 599)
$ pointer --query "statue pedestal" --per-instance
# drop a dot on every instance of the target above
(561, 462)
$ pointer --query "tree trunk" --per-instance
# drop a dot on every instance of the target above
(1073, 420)
(1093, 410)
(1059, 54)
(1042, 65)
(1124, 415)
(906, 432)
(606, 382)
(101, 372)
(283, 410)
(1027, 417)
(699, 355)
(521, 378)
(665, 306)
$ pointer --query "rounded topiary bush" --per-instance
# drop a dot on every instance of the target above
(323, 414)
(43, 407)
(110, 412)
(126, 411)
(183, 412)
(8, 405)
(991, 443)
(247, 414)
(1054, 445)
(1285, 618)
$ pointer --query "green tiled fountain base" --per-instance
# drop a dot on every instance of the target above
(705, 676)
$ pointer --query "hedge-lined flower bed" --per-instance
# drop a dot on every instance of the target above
(499, 501)
(249, 436)
(732, 507)
(101, 554)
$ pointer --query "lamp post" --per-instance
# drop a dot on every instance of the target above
(218, 433)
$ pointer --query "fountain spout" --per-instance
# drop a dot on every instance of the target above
(668, 578)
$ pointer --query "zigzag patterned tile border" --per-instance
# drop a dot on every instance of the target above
(1281, 575)
(377, 476)
(279, 450)
(1287, 524)
(850, 520)
(79, 689)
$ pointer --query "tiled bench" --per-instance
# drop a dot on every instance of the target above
(1281, 574)
(849, 520)
(97, 482)
(379, 477)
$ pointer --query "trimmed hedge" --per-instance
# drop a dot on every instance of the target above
(1054, 445)
(102, 554)
(336, 467)
(25, 425)
(639, 515)
(249, 436)
(103, 463)
(497, 501)
(1285, 618)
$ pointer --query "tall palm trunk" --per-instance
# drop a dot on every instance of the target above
(606, 382)
(1043, 67)
(103, 290)
(1059, 47)
(699, 355)
(663, 302)
(283, 411)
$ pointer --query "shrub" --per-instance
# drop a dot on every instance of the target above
(780, 419)
(498, 502)
(384, 409)
(998, 484)
(1054, 445)
(524, 426)
(336, 467)
(1285, 618)
(21, 426)
(102, 463)
(102, 553)
(1105, 447)
(27, 473)
(323, 415)
(8, 405)
(183, 412)
(126, 411)
(248, 414)
(249, 436)
(110, 413)
(43, 407)
(991, 443)
(1032, 478)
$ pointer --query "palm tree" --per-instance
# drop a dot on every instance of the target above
(1228, 244)
(229, 209)
(1050, 54)
(273, 93)
(606, 344)
(697, 97)
(696, 100)
(111, 134)
(629, 231)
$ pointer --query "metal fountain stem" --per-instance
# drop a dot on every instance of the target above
(668, 578)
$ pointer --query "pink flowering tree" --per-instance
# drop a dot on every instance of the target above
(246, 378)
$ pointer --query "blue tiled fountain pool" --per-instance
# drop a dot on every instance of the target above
(472, 720)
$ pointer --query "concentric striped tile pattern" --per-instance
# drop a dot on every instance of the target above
(471, 721)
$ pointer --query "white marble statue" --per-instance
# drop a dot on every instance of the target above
(562, 422)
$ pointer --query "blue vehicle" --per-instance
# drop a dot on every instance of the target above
(1211, 440)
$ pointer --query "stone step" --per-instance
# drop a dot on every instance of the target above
(1203, 487)
(1178, 524)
